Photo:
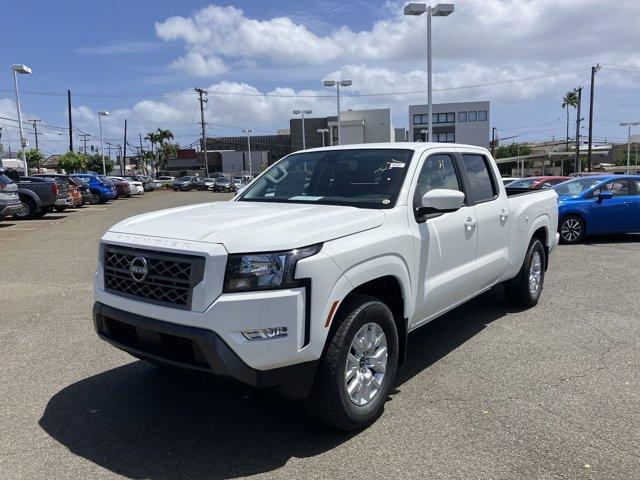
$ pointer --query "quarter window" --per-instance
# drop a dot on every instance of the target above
(438, 171)
(481, 181)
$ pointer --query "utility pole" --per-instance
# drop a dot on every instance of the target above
(578, 167)
(493, 141)
(202, 96)
(35, 133)
(70, 121)
(594, 70)
(84, 141)
(123, 162)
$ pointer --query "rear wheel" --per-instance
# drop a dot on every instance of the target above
(358, 367)
(525, 289)
(572, 229)
(28, 210)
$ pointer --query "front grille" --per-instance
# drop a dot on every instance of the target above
(169, 280)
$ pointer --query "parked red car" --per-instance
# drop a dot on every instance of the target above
(537, 182)
(122, 188)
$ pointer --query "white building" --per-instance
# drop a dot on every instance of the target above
(462, 122)
(362, 126)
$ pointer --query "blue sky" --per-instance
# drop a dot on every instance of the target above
(123, 57)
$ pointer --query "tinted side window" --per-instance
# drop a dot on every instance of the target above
(637, 187)
(481, 181)
(619, 188)
(438, 171)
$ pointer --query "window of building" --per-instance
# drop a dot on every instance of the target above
(438, 171)
(473, 116)
(417, 119)
(482, 116)
(481, 181)
(462, 116)
(334, 135)
(451, 117)
(451, 137)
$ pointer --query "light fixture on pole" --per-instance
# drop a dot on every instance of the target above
(303, 112)
(338, 84)
(248, 132)
(23, 70)
(102, 113)
(629, 125)
(322, 131)
(440, 10)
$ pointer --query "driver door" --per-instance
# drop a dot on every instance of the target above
(445, 244)
(613, 214)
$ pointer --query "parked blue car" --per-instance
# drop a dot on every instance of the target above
(101, 187)
(597, 205)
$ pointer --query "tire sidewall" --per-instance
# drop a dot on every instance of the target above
(536, 245)
(372, 312)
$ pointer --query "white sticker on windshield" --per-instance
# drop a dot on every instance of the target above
(396, 165)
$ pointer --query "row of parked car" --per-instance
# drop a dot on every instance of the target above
(217, 182)
(36, 195)
(589, 204)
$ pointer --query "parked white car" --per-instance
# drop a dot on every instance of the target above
(309, 282)
(135, 186)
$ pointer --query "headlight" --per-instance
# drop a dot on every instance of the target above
(264, 271)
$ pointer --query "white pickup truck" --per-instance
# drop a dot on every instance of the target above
(309, 281)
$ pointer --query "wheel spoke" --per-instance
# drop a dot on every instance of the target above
(366, 364)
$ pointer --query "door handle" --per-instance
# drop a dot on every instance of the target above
(504, 215)
(470, 223)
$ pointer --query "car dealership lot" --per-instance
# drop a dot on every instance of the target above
(487, 392)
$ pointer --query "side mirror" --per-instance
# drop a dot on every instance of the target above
(606, 195)
(441, 200)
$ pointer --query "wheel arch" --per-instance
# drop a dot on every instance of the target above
(23, 192)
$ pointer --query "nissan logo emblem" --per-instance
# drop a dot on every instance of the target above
(139, 269)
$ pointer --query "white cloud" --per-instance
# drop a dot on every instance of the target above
(197, 65)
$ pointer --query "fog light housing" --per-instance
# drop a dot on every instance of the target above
(265, 333)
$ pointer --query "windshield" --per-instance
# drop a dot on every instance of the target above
(184, 179)
(4, 180)
(576, 187)
(368, 178)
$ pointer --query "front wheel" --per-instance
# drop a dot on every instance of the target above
(525, 289)
(571, 229)
(358, 367)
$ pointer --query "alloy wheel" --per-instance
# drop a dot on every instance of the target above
(535, 272)
(571, 230)
(366, 364)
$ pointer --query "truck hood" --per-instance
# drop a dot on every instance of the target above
(252, 226)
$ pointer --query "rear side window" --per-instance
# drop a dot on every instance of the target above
(4, 179)
(438, 171)
(481, 183)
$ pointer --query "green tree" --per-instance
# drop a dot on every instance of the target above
(34, 157)
(570, 99)
(167, 151)
(513, 150)
(159, 138)
(94, 163)
(72, 162)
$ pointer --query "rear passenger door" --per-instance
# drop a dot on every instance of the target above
(492, 210)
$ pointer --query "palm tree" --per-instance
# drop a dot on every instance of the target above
(153, 138)
(570, 99)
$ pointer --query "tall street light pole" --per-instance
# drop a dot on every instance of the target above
(629, 125)
(594, 70)
(440, 10)
(322, 131)
(338, 84)
(203, 98)
(303, 112)
(24, 70)
(102, 113)
(248, 132)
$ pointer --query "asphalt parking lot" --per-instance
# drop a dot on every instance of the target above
(488, 391)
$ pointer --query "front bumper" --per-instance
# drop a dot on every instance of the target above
(9, 209)
(197, 349)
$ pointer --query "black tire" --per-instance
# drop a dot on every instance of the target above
(523, 291)
(329, 400)
(29, 210)
(95, 198)
(571, 229)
